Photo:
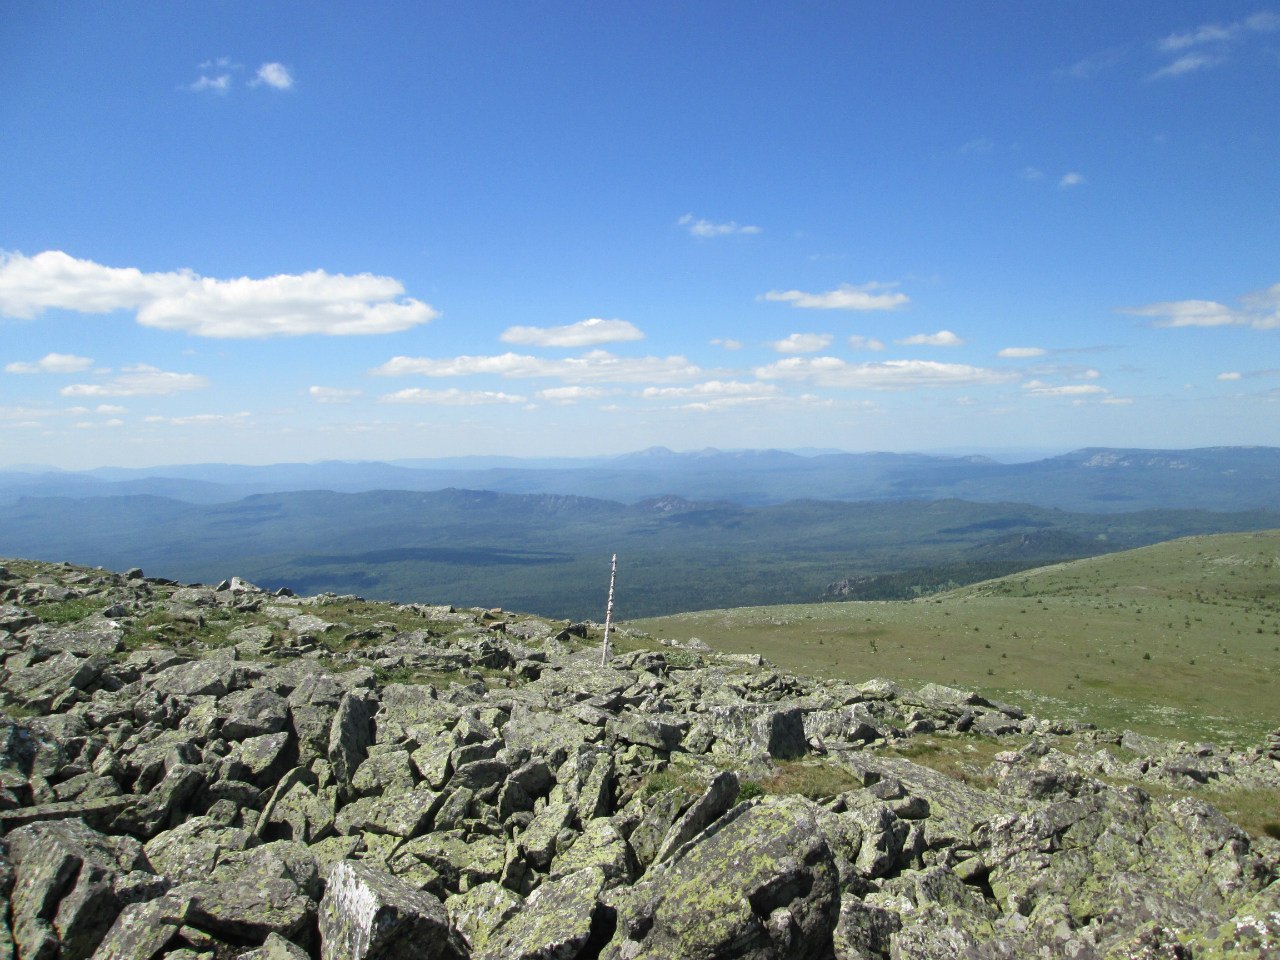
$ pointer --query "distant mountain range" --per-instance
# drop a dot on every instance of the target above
(1093, 480)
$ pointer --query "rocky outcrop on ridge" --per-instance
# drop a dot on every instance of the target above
(220, 772)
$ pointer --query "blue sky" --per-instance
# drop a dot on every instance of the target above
(259, 232)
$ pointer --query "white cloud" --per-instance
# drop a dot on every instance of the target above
(220, 83)
(202, 419)
(886, 375)
(943, 338)
(452, 397)
(1031, 173)
(584, 333)
(1039, 388)
(859, 342)
(844, 297)
(596, 366)
(1261, 22)
(705, 228)
(138, 381)
(711, 388)
(274, 75)
(1189, 63)
(1021, 353)
(565, 395)
(109, 408)
(727, 344)
(332, 394)
(1117, 401)
(802, 343)
(722, 395)
(1096, 64)
(1071, 179)
(315, 302)
(51, 363)
(1261, 312)
(1233, 375)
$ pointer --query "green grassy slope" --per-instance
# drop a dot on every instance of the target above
(1180, 640)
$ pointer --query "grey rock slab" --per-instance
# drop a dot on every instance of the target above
(191, 679)
(762, 883)
(367, 914)
(263, 757)
(555, 922)
(63, 897)
(350, 735)
(143, 930)
(255, 712)
(275, 947)
(600, 845)
(538, 841)
(93, 635)
(389, 771)
(715, 801)
(247, 912)
(192, 849)
(482, 909)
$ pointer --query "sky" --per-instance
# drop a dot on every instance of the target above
(261, 232)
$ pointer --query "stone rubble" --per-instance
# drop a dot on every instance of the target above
(221, 772)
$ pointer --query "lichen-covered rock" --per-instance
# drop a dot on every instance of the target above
(481, 910)
(718, 798)
(367, 914)
(522, 799)
(555, 923)
(762, 883)
(64, 897)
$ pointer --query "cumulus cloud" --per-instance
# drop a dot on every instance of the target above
(727, 344)
(315, 302)
(584, 333)
(943, 338)
(1070, 179)
(332, 394)
(274, 75)
(719, 395)
(1039, 388)
(802, 343)
(859, 342)
(1232, 375)
(217, 83)
(868, 296)
(711, 388)
(202, 419)
(1260, 310)
(140, 380)
(1021, 353)
(705, 228)
(596, 366)
(566, 395)
(886, 375)
(452, 397)
(51, 363)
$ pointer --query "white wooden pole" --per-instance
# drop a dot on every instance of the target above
(608, 611)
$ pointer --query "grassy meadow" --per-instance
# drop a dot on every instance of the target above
(1179, 640)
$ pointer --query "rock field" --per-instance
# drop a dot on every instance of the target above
(221, 772)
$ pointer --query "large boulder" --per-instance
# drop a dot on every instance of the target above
(64, 897)
(761, 884)
(367, 914)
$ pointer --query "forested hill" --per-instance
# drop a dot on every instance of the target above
(549, 553)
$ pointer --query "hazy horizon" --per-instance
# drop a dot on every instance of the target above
(250, 234)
